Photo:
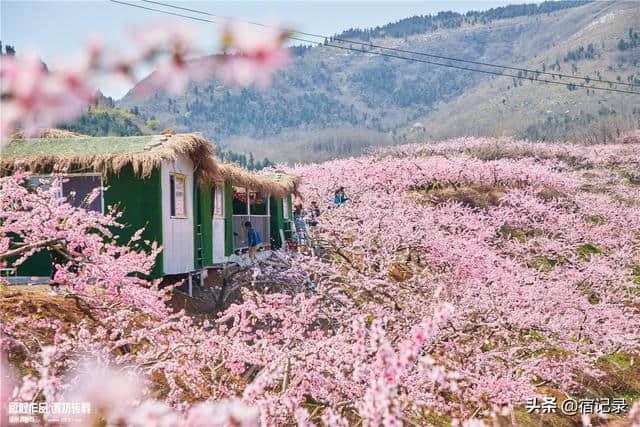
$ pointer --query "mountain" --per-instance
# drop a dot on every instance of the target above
(332, 102)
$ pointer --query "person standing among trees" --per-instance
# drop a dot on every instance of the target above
(254, 240)
(339, 197)
(314, 213)
(298, 221)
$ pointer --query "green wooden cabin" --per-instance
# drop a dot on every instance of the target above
(170, 185)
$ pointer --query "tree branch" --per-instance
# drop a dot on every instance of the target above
(25, 248)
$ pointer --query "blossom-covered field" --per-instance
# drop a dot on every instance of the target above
(461, 279)
(535, 246)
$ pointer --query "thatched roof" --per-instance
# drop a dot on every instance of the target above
(278, 185)
(49, 133)
(290, 182)
(109, 154)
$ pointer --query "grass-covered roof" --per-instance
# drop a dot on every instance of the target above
(75, 146)
(70, 151)
(104, 154)
(47, 133)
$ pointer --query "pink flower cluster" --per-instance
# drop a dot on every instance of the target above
(34, 97)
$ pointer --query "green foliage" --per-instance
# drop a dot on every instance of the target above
(544, 263)
(153, 124)
(622, 360)
(635, 272)
(595, 219)
(100, 121)
(585, 251)
(629, 178)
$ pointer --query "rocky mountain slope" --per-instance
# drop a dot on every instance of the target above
(332, 102)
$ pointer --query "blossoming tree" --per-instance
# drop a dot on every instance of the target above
(460, 279)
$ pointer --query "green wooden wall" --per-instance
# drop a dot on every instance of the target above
(228, 218)
(277, 221)
(290, 203)
(38, 264)
(140, 201)
(203, 204)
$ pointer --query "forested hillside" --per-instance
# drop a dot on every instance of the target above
(327, 93)
(100, 121)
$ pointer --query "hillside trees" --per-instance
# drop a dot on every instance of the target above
(8, 50)
(581, 53)
(634, 41)
(385, 94)
(243, 160)
(428, 23)
(98, 121)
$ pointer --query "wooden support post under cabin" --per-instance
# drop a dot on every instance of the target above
(190, 286)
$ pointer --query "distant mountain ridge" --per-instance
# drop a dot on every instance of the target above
(447, 19)
(330, 102)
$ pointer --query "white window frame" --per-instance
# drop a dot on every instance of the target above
(218, 201)
(173, 199)
(285, 207)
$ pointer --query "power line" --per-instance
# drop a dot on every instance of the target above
(389, 55)
(163, 11)
(230, 18)
(495, 73)
(448, 58)
(507, 67)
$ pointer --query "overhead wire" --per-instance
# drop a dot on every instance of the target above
(384, 54)
(413, 52)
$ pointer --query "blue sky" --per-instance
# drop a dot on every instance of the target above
(60, 29)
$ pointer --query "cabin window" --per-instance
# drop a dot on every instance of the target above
(76, 189)
(258, 203)
(44, 183)
(285, 207)
(217, 199)
(240, 202)
(178, 195)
